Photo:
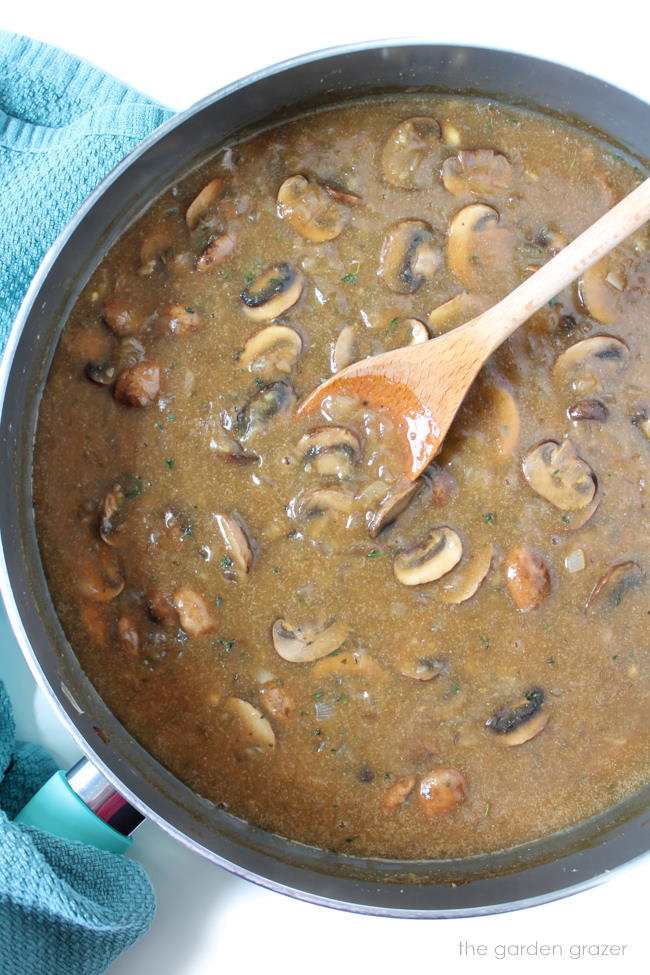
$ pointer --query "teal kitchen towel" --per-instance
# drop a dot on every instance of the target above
(63, 126)
(65, 908)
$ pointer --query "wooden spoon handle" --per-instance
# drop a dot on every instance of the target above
(500, 321)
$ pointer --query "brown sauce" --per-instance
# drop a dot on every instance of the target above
(454, 672)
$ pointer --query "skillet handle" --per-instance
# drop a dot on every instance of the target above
(82, 805)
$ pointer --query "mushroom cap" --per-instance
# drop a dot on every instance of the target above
(139, 385)
(528, 577)
(303, 643)
(556, 473)
(193, 613)
(441, 790)
(411, 154)
(480, 171)
(410, 255)
(272, 352)
(479, 246)
(254, 727)
(273, 292)
(313, 211)
(436, 555)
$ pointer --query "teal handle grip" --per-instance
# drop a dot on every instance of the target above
(57, 809)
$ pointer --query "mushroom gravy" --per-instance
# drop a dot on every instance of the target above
(400, 670)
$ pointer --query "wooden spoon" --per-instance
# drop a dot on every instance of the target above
(422, 386)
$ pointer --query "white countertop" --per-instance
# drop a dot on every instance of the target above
(209, 922)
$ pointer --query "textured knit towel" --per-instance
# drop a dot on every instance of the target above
(63, 126)
(65, 908)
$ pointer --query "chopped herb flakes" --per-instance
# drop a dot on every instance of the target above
(170, 463)
(488, 518)
(349, 278)
(226, 563)
(373, 555)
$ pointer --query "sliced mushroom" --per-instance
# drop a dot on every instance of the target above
(120, 317)
(193, 612)
(254, 727)
(179, 320)
(159, 608)
(332, 450)
(100, 373)
(210, 195)
(154, 250)
(557, 474)
(480, 249)
(432, 558)
(586, 363)
(480, 171)
(503, 419)
(588, 409)
(441, 791)
(109, 515)
(578, 519)
(424, 668)
(443, 484)
(518, 723)
(128, 637)
(272, 293)
(217, 250)
(392, 506)
(267, 402)
(615, 583)
(398, 793)
(344, 352)
(468, 578)
(311, 210)
(139, 385)
(602, 288)
(276, 699)
(325, 503)
(100, 582)
(528, 577)
(455, 311)
(302, 643)
(407, 331)
(239, 551)
(347, 662)
(410, 255)
(272, 352)
(411, 155)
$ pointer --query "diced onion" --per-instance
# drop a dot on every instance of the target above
(575, 561)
